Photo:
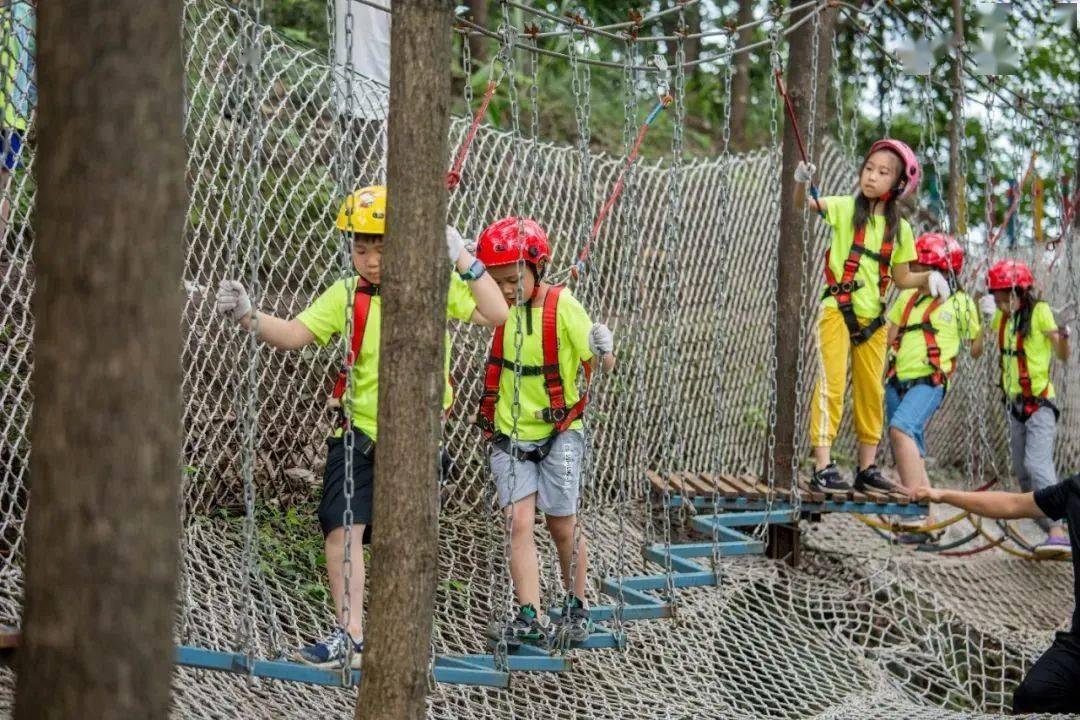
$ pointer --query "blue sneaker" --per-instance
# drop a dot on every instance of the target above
(331, 651)
(575, 625)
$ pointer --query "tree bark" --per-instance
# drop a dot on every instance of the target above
(478, 44)
(740, 83)
(957, 183)
(789, 295)
(411, 381)
(105, 467)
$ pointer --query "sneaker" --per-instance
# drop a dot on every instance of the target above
(331, 651)
(828, 480)
(526, 627)
(917, 538)
(870, 478)
(1054, 546)
(575, 624)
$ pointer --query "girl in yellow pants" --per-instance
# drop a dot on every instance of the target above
(871, 246)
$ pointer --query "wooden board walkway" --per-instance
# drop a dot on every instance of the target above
(731, 491)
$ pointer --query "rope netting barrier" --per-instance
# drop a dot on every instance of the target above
(860, 629)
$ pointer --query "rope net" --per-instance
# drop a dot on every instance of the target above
(860, 629)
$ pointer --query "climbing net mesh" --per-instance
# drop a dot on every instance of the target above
(860, 629)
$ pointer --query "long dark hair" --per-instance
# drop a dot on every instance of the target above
(864, 206)
(1028, 301)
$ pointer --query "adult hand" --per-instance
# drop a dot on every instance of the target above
(804, 172)
(232, 299)
(601, 341)
(938, 286)
(455, 245)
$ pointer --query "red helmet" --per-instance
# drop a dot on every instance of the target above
(506, 241)
(910, 170)
(1009, 274)
(940, 251)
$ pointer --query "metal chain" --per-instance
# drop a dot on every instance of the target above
(773, 310)
(721, 302)
(346, 179)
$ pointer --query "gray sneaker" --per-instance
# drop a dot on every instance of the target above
(575, 622)
(331, 651)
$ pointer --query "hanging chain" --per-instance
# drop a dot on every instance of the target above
(346, 179)
(775, 159)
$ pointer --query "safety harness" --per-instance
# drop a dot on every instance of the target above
(933, 352)
(1029, 403)
(846, 287)
(557, 413)
(361, 307)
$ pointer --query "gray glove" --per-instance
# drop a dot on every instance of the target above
(232, 299)
(938, 285)
(601, 341)
(804, 172)
(988, 305)
(455, 245)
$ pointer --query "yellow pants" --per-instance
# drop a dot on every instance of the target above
(868, 388)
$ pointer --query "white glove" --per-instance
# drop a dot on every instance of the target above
(601, 341)
(804, 172)
(455, 245)
(938, 286)
(232, 299)
(988, 305)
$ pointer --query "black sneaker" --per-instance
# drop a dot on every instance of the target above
(870, 478)
(828, 480)
(575, 624)
(526, 627)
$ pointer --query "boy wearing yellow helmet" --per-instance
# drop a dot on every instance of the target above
(473, 297)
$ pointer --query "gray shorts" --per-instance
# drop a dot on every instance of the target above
(556, 480)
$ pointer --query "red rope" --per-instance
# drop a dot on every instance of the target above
(454, 176)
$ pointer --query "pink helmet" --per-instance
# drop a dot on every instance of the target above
(911, 171)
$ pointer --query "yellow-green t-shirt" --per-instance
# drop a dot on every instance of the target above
(954, 320)
(840, 214)
(1038, 350)
(325, 318)
(572, 327)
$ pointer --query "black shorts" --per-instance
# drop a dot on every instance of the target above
(1053, 683)
(332, 505)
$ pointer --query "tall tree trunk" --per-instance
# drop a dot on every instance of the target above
(105, 467)
(405, 551)
(957, 183)
(478, 44)
(740, 84)
(789, 295)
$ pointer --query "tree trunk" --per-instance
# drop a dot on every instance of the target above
(740, 84)
(789, 295)
(478, 44)
(109, 222)
(411, 382)
(957, 183)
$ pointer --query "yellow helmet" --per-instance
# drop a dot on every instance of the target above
(364, 211)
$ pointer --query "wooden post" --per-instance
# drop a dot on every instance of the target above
(411, 380)
(105, 457)
(740, 84)
(784, 540)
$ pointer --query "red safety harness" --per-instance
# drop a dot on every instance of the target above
(557, 413)
(846, 287)
(1029, 403)
(361, 307)
(933, 352)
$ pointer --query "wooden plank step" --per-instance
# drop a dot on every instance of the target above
(699, 486)
(10, 637)
(815, 496)
(715, 484)
(781, 492)
(746, 490)
(729, 488)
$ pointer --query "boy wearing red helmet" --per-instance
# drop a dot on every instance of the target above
(1028, 338)
(473, 298)
(925, 334)
(531, 411)
(871, 246)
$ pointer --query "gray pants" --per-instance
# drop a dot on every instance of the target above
(1032, 448)
(556, 481)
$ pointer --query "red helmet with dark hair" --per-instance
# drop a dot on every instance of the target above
(506, 241)
(1009, 274)
(940, 251)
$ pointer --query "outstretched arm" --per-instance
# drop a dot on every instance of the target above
(233, 301)
(1001, 505)
(491, 309)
